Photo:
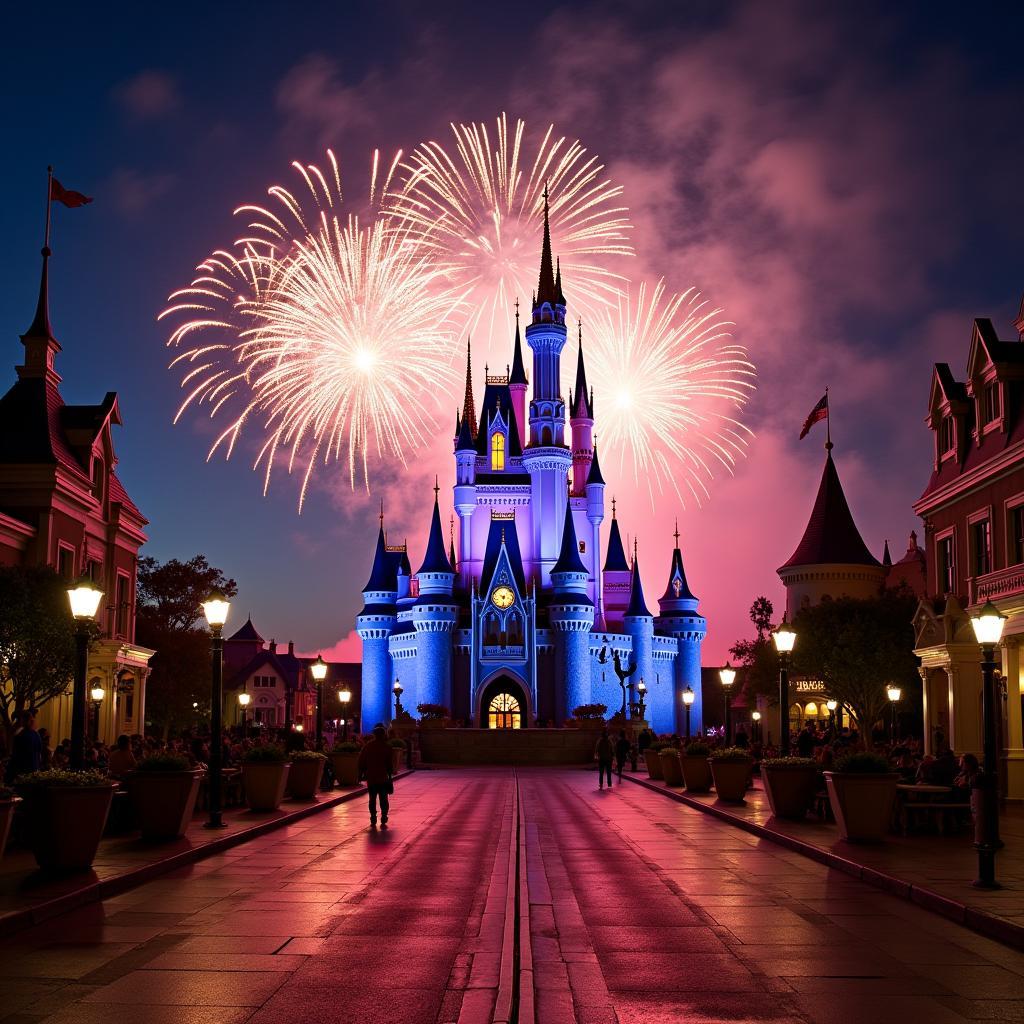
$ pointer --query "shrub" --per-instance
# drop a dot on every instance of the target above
(659, 745)
(163, 763)
(268, 753)
(397, 743)
(346, 747)
(590, 711)
(697, 749)
(432, 712)
(60, 777)
(307, 755)
(730, 754)
(862, 764)
(788, 762)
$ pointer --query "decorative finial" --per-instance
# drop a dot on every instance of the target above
(634, 550)
(676, 534)
(517, 309)
(437, 489)
(613, 506)
(579, 327)
(382, 513)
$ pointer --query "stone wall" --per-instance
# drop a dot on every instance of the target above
(508, 746)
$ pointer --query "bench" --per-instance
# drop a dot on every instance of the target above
(940, 810)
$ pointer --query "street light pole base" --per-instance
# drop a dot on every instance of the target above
(979, 883)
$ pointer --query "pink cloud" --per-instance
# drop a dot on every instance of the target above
(348, 649)
(149, 95)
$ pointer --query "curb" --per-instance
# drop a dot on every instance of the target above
(18, 920)
(979, 921)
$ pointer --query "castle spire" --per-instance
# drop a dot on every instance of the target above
(595, 476)
(582, 392)
(546, 290)
(468, 404)
(559, 297)
(518, 372)
(436, 559)
(569, 555)
(637, 604)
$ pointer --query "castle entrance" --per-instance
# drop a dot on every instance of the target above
(503, 705)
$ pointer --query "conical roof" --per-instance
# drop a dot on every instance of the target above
(580, 405)
(247, 632)
(546, 289)
(616, 559)
(831, 536)
(382, 575)
(40, 326)
(518, 374)
(465, 442)
(594, 476)
(886, 557)
(569, 555)
(677, 572)
(637, 604)
(436, 558)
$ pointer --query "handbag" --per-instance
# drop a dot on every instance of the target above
(391, 786)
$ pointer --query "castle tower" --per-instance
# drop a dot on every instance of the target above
(547, 459)
(374, 624)
(595, 516)
(680, 620)
(581, 420)
(518, 384)
(617, 580)
(464, 492)
(571, 614)
(433, 617)
(638, 622)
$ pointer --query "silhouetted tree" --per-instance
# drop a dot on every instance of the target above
(757, 656)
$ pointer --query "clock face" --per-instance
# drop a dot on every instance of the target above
(502, 597)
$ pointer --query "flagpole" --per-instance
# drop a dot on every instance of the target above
(828, 424)
(49, 204)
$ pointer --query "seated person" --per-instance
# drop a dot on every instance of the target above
(963, 783)
(122, 760)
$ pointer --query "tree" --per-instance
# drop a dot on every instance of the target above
(37, 639)
(169, 619)
(857, 648)
(757, 656)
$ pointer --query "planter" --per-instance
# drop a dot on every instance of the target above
(304, 778)
(433, 723)
(696, 774)
(65, 824)
(264, 785)
(653, 760)
(731, 778)
(164, 801)
(397, 760)
(6, 817)
(790, 788)
(671, 770)
(346, 768)
(862, 804)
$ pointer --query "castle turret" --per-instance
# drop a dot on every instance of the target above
(465, 477)
(581, 420)
(680, 620)
(571, 614)
(434, 616)
(638, 622)
(374, 624)
(595, 517)
(617, 579)
(518, 384)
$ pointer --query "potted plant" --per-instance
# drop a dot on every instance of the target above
(265, 775)
(66, 814)
(163, 791)
(731, 768)
(590, 716)
(8, 798)
(397, 754)
(306, 772)
(694, 764)
(652, 756)
(345, 758)
(862, 790)
(790, 783)
(671, 769)
(432, 716)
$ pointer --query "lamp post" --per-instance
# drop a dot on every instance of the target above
(398, 690)
(832, 705)
(243, 703)
(727, 674)
(988, 625)
(688, 698)
(97, 694)
(216, 608)
(784, 639)
(893, 693)
(641, 689)
(319, 673)
(344, 696)
(756, 717)
(85, 600)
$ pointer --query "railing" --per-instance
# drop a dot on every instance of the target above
(510, 651)
(994, 585)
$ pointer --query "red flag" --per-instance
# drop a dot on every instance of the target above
(819, 412)
(67, 196)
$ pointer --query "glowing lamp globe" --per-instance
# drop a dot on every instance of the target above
(319, 669)
(689, 696)
(398, 689)
(988, 625)
(244, 698)
(831, 704)
(216, 608)
(727, 674)
(344, 695)
(300, 727)
(784, 637)
(756, 716)
(85, 599)
(893, 693)
(641, 687)
(97, 693)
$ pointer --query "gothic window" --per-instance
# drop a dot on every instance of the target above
(677, 586)
(492, 629)
(545, 437)
(497, 451)
(947, 435)
(514, 630)
(504, 712)
(583, 547)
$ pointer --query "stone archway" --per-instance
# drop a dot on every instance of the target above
(503, 704)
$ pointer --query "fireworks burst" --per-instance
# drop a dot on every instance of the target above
(668, 383)
(479, 212)
(323, 335)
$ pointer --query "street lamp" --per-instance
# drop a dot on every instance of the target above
(641, 689)
(344, 696)
(832, 705)
(398, 690)
(727, 674)
(756, 716)
(319, 673)
(97, 694)
(216, 608)
(243, 703)
(784, 639)
(85, 600)
(688, 698)
(893, 693)
(988, 625)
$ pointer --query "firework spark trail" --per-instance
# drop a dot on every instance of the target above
(668, 385)
(327, 337)
(478, 211)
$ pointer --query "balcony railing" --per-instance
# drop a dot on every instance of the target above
(510, 651)
(1002, 583)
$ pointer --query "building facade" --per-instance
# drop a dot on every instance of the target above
(973, 514)
(63, 505)
(524, 624)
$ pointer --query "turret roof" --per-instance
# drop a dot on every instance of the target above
(637, 604)
(677, 572)
(498, 398)
(594, 476)
(616, 559)
(464, 442)
(468, 403)
(518, 374)
(569, 555)
(502, 532)
(547, 291)
(382, 575)
(436, 558)
(580, 404)
(247, 632)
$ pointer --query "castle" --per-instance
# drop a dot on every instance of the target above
(524, 625)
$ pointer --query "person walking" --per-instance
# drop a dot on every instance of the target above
(621, 753)
(603, 752)
(375, 763)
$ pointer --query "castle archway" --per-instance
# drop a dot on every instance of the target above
(503, 704)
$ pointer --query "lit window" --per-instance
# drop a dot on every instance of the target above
(504, 712)
(497, 451)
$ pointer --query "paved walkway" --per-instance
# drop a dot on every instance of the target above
(632, 908)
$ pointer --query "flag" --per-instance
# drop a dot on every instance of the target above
(67, 196)
(819, 412)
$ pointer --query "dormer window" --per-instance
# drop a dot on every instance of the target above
(97, 478)
(947, 435)
(991, 408)
(497, 451)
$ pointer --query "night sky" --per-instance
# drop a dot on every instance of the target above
(843, 179)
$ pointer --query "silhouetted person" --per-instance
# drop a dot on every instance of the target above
(603, 752)
(621, 753)
(26, 748)
(805, 742)
(375, 762)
